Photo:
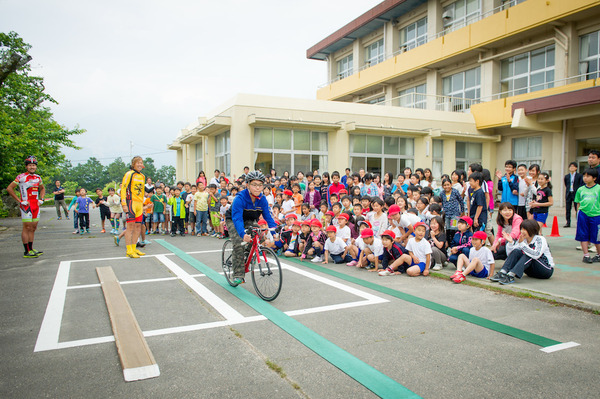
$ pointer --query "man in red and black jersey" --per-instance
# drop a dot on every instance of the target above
(32, 191)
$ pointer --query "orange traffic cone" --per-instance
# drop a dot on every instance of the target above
(554, 232)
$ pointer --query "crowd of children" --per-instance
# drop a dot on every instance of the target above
(404, 225)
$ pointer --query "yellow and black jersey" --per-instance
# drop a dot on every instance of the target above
(132, 188)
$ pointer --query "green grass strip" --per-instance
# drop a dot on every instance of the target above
(459, 314)
(372, 379)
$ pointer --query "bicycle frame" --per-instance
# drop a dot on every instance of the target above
(254, 250)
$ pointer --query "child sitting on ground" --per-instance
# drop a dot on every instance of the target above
(291, 242)
(480, 262)
(336, 247)
(394, 257)
(372, 253)
(315, 242)
(461, 243)
(419, 250)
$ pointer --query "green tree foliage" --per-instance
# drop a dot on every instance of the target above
(166, 174)
(149, 168)
(27, 126)
(90, 175)
(69, 187)
(116, 169)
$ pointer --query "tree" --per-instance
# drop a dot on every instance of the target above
(90, 175)
(116, 169)
(149, 168)
(27, 126)
(166, 174)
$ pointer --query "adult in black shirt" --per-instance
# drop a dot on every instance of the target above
(59, 200)
(573, 180)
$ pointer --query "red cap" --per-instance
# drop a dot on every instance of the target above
(365, 222)
(331, 228)
(315, 222)
(366, 233)
(288, 192)
(262, 221)
(467, 220)
(297, 223)
(291, 215)
(394, 209)
(306, 223)
(330, 213)
(389, 233)
(419, 224)
(343, 191)
(344, 216)
(480, 235)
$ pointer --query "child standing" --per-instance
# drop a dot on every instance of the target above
(75, 213)
(287, 206)
(420, 251)
(83, 207)
(213, 210)
(201, 199)
(480, 262)
(114, 204)
(539, 207)
(104, 209)
(508, 183)
(297, 197)
(477, 201)
(588, 218)
(178, 212)
(158, 208)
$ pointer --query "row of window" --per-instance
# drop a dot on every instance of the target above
(304, 150)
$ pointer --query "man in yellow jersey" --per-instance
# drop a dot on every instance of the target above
(132, 201)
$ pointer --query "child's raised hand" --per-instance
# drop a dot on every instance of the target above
(498, 174)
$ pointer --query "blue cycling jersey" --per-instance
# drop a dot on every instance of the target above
(243, 210)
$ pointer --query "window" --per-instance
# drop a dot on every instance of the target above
(345, 67)
(589, 55)
(510, 3)
(460, 13)
(527, 150)
(199, 158)
(413, 35)
(381, 154)
(467, 153)
(437, 166)
(414, 97)
(223, 153)
(376, 100)
(374, 53)
(464, 88)
(291, 150)
(527, 72)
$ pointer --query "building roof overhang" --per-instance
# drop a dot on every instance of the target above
(368, 22)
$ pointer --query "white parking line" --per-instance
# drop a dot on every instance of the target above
(48, 337)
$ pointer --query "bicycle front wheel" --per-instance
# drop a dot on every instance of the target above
(266, 274)
(227, 261)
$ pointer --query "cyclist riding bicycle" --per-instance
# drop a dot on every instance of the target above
(245, 211)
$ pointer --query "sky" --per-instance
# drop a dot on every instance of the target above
(140, 71)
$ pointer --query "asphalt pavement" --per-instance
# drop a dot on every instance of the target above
(57, 342)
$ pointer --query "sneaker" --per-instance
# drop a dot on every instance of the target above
(370, 266)
(455, 274)
(81, 232)
(87, 231)
(317, 259)
(39, 253)
(140, 245)
(182, 234)
(459, 278)
(596, 258)
(101, 231)
(30, 254)
(386, 272)
(68, 218)
(173, 234)
(199, 235)
(508, 279)
(58, 218)
(238, 280)
(592, 248)
(352, 263)
(146, 242)
(437, 267)
(132, 255)
(116, 238)
(497, 277)
(587, 259)
(76, 232)
(138, 252)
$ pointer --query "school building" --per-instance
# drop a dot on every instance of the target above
(425, 83)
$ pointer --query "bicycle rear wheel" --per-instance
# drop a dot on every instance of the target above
(266, 274)
(227, 261)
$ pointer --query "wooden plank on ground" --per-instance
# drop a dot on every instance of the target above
(136, 358)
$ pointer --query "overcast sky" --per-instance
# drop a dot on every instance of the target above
(140, 71)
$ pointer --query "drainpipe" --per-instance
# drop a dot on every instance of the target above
(562, 160)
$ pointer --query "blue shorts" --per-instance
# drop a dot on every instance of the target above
(279, 244)
(158, 217)
(588, 228)
(420, 264)
(540, 217)
(482, 274)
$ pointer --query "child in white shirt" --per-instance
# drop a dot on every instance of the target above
(420, 251)
(336, 247)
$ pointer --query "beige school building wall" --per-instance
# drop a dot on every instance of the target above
(197, 144)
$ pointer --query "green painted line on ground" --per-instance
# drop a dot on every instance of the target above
(371, 378)
(459, 314)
